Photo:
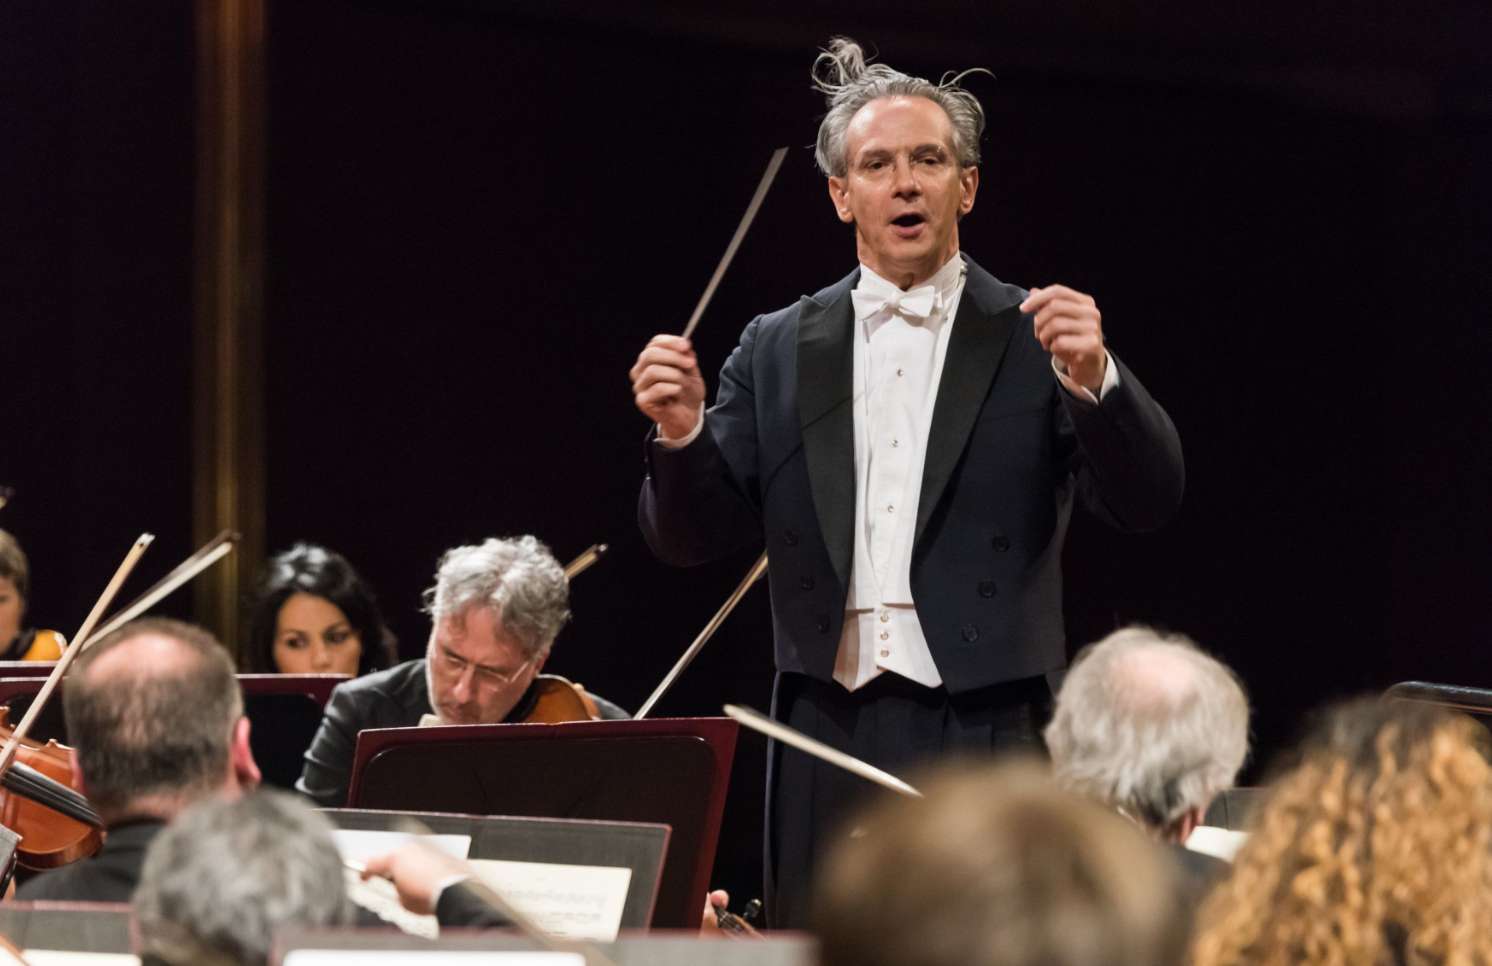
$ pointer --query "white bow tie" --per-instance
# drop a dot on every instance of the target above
(914, 305)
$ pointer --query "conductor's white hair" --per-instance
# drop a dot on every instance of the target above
(1149, 724)
(841, 73)
(515, 576)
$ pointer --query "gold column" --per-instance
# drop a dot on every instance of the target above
(228, 352)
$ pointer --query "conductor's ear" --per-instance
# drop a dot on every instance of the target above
(839, 195)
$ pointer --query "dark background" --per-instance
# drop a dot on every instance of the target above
(478, 212)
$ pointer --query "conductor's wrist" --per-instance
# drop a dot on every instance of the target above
(679, 436)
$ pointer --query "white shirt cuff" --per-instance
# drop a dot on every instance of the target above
(699, 425)
(1110, 380)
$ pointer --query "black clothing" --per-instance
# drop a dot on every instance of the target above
(458, 905)
(1197, 872)
(396, 698)
(109, 876)
(892, 721)
(1009, 451)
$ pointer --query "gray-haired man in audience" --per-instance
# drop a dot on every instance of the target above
(1150, 725)
(226, 875)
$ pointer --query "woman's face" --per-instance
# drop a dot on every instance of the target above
(12, 608)
(312, 636)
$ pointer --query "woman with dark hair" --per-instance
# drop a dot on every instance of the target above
(313, 614)
(18, 642)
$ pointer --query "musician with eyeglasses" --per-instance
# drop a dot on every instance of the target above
(495, 610)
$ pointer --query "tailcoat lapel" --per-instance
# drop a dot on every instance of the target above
(826, 416)
(981, 331)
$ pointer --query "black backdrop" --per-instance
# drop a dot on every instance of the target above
(479, 212)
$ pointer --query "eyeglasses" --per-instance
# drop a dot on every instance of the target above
(489, 677)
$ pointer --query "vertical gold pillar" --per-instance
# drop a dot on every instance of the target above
(228, 352)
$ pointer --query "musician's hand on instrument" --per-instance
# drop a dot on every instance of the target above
(667, 387)
(710, 921)
(1068, 325)
(417, 871)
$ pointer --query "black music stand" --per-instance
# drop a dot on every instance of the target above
(685, 949)
(283, 709)
(638, 846)
(673, 771)
(80, 927)
(26, 669)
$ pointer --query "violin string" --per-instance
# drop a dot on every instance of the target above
(30, 783)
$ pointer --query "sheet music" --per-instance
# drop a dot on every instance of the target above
(360, 845)
(427, 957)
(570, 901)
(379, 896)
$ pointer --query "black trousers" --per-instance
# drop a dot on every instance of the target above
(892, 723)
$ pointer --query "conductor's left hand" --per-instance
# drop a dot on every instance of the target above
(1068, 325)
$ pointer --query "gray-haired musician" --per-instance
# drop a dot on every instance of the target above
(908, 442)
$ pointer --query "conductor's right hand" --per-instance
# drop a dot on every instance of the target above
(667, 386)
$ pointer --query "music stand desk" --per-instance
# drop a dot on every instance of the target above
(672, 771)
(638, 846)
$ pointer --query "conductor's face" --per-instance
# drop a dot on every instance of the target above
(476, 670)
(904, 189)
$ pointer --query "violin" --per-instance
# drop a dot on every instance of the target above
(41, 802)
(558, 699)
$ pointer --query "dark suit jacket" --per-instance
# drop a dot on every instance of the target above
(458, 905)
(395, 698)
(109, 876)
(1008, 452)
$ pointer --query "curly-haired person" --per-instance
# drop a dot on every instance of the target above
(1375, 848)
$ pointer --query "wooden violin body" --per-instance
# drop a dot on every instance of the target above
(49, 838)
(559, 699)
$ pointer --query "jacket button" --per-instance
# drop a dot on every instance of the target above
(790, 537)
(1000, 542)
(805, 582)
(986, 588)
(970, 633)
(822, 624)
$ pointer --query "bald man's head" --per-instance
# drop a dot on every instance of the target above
(154, 713)
(1151, 725)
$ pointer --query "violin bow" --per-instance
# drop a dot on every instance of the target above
(210, 553)
(757, 721)
(752, 576)
(38, 787)
(735, 242)
(8, 754)
(585, 561)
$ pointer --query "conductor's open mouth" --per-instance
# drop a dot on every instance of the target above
(908, 221)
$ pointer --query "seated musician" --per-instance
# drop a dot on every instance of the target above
(313, 614)
(18, 643)
(494, 612)
(227, 875)
(156, 721)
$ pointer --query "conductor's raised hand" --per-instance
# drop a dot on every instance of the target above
(667, 386)
(1068, 325)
